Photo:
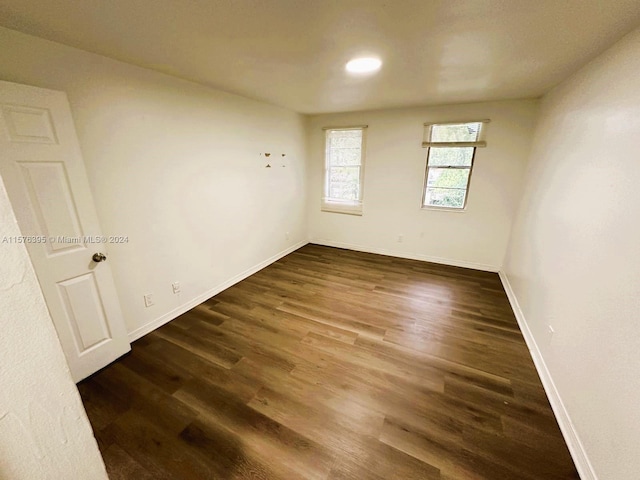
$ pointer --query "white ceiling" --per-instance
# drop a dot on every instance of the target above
(292, 52)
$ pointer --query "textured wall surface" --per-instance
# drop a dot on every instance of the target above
(573, 257)
(176, 168)
(394, 174)
(44, 431)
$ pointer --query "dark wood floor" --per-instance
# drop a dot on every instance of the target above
(332, 364)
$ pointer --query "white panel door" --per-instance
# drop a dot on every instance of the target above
(43, 172)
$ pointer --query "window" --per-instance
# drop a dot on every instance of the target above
(450, 154)
(344, 160)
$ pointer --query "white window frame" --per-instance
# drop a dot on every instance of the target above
(334, 205)
(428, 144)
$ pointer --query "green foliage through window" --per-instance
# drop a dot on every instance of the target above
(343, 165)
(449, 166)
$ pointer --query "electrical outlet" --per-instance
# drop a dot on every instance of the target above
(176, 287)
(400, 238)
(287, 235)
(148, 300)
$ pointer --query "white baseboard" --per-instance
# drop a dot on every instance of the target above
(176, 312)
(578, 453)
(410, 256)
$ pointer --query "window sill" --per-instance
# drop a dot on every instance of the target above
(344, 209)
(444, 209)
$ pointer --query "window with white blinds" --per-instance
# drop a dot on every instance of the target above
(344, 164)
(450, 155)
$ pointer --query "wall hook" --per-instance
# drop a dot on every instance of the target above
(267, 154)
(268, 165)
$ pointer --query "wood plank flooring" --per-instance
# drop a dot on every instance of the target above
(337, 365)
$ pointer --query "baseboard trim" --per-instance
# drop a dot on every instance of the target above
(176, 312)
(410, 256)
(578, 453)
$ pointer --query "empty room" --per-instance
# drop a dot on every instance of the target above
(317, 239)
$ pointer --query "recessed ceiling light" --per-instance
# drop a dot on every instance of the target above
(364, 65)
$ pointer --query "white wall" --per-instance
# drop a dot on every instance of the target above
(44, 432)
(174, 166)
(573, 260)
(394, 178)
